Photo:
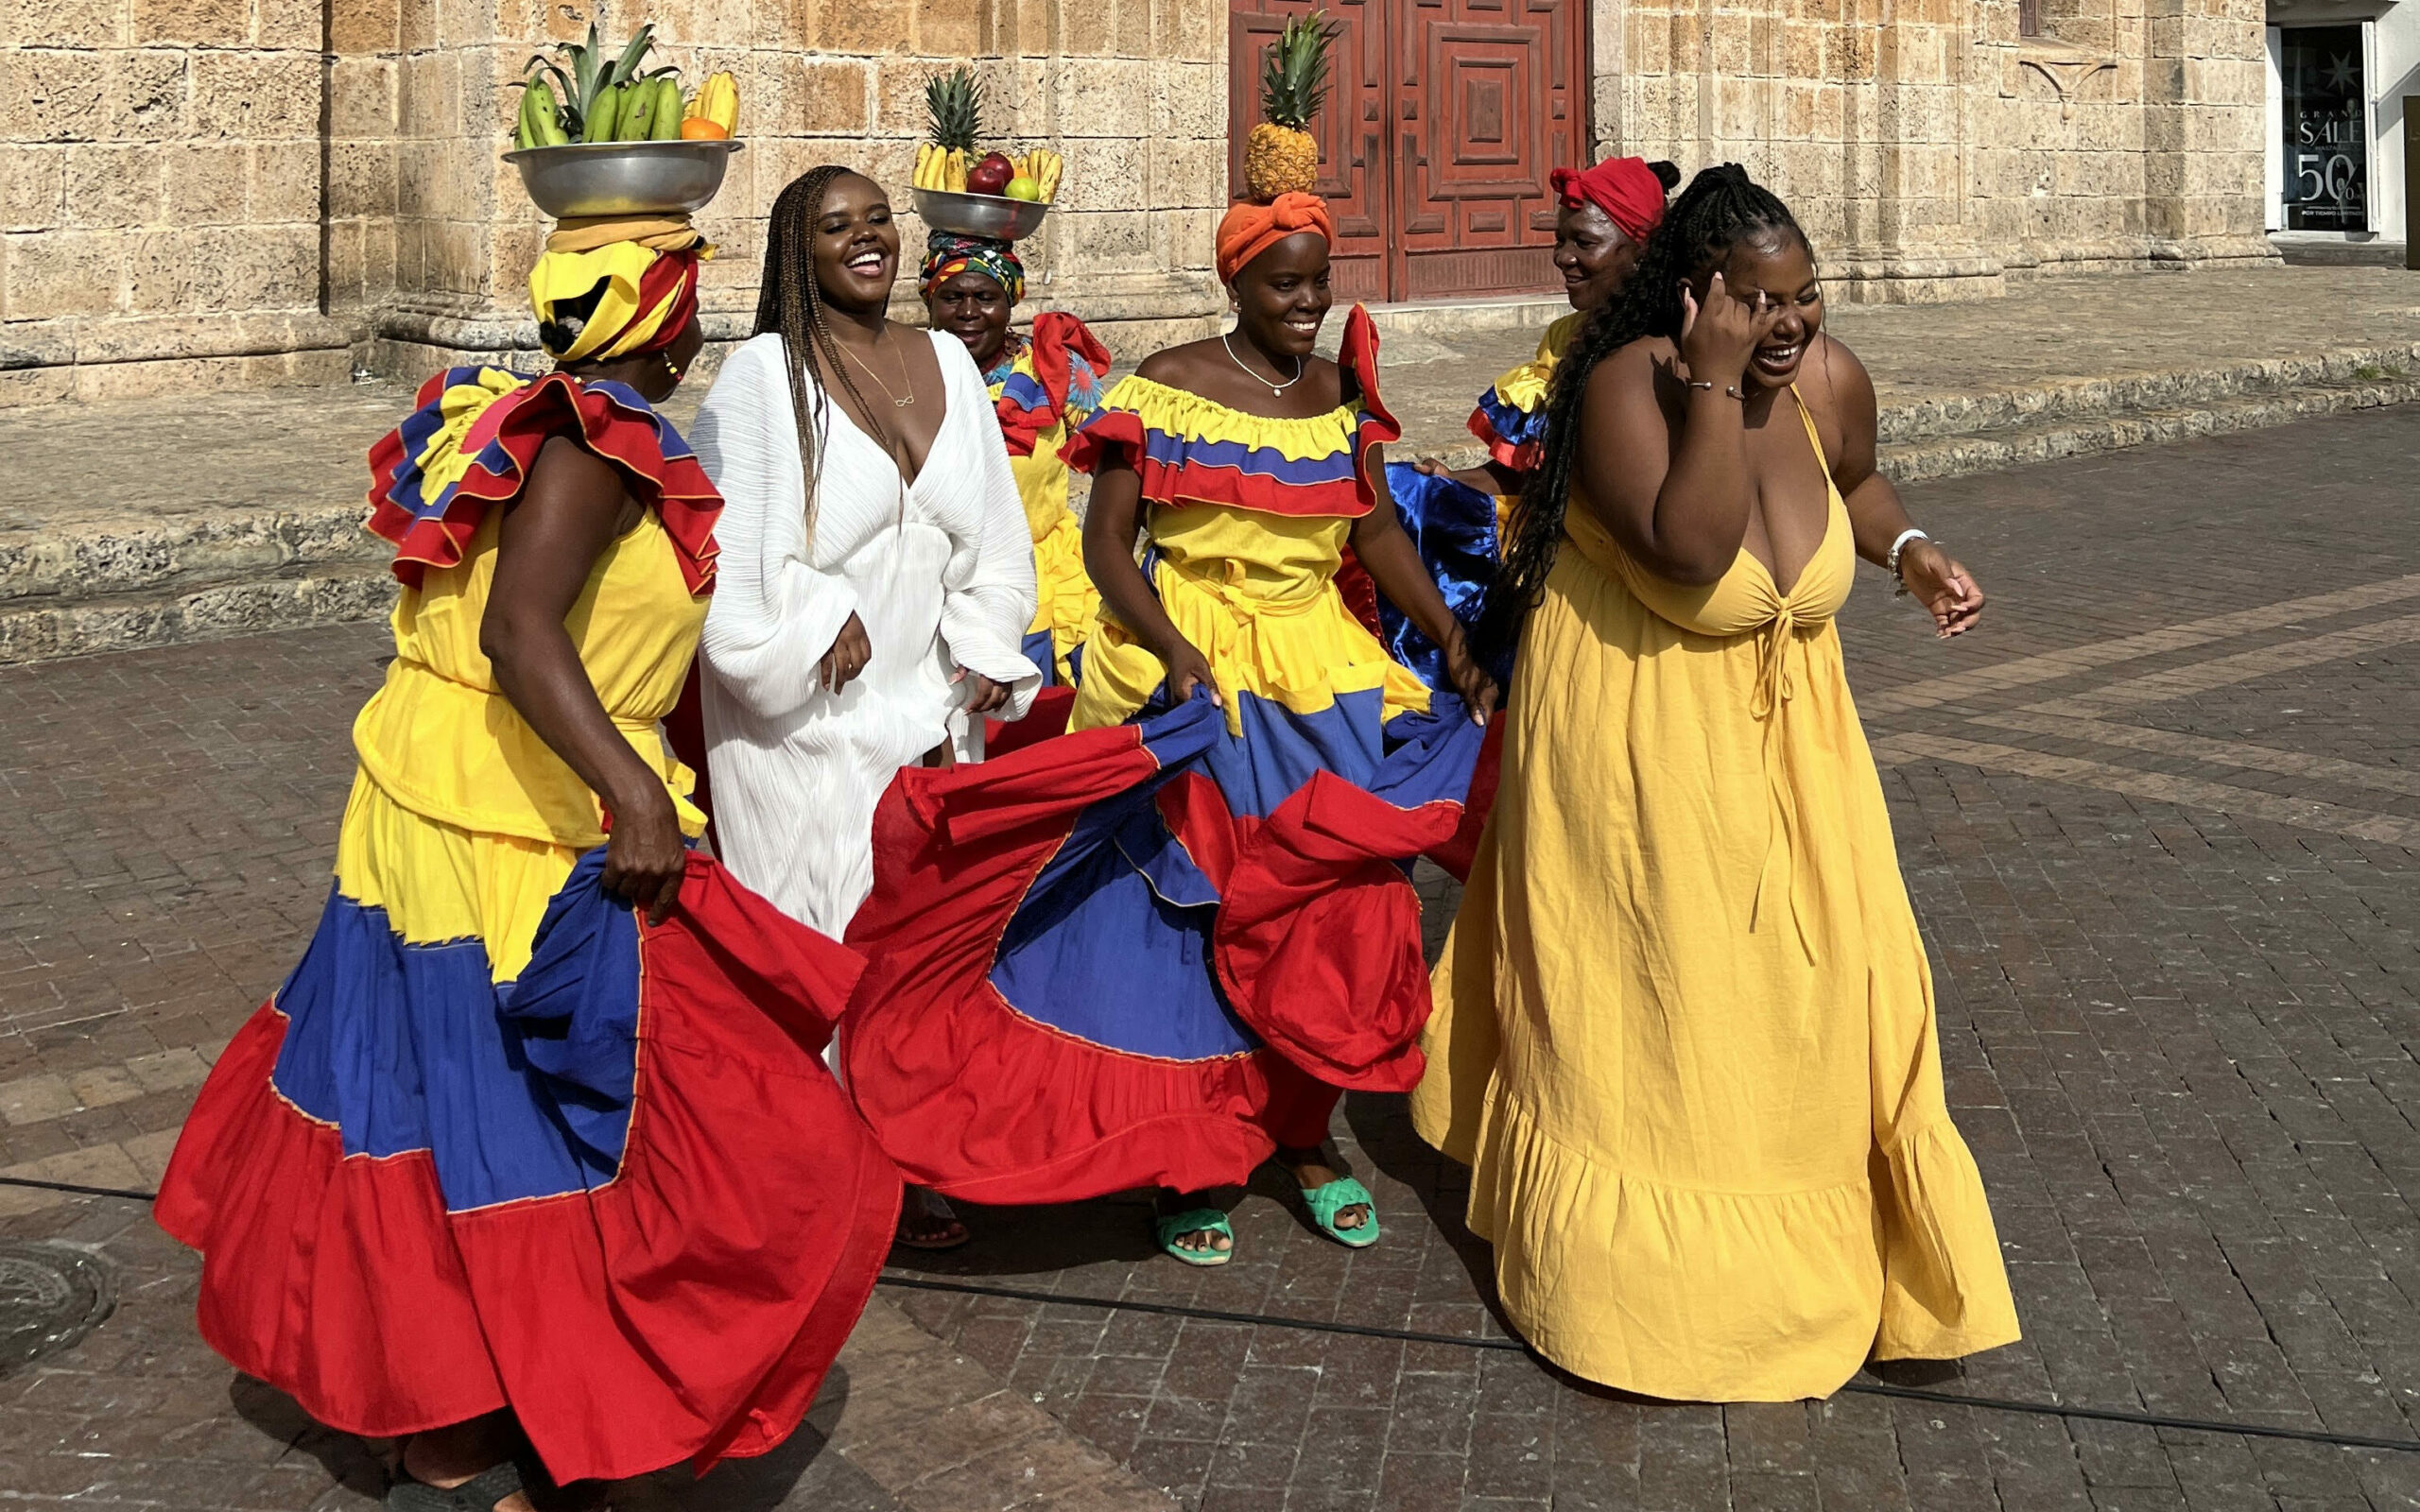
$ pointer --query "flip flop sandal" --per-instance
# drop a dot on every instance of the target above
(1193, 1221)
(1326, 1202)
(480, 1493)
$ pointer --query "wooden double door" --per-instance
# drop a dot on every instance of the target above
(1442, 119)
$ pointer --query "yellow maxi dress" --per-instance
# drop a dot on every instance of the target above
(1684, 1029)
(1036, 428)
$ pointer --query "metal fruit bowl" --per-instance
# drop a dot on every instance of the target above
(994, 216)
(623, 177)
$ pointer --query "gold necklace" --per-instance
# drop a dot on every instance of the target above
(896, 403)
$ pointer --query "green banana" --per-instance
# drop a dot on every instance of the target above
(525, 130)
(638, 113)
(666, 125)
(604, 116)
(550, 116)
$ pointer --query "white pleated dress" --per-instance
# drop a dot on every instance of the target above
(941, 573)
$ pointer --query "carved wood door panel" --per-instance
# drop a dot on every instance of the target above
(1491, 95)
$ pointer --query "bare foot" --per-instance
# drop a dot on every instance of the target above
(1310, 1168)
(448, 1457)
(925, 1222)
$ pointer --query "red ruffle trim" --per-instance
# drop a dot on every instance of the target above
(1522, 457)
(505, 441)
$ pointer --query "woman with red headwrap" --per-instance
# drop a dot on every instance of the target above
(447, 1188)
(1152, 952)
(1607, 214)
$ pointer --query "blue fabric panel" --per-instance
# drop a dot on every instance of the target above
(1513, 424)
(1279, 749)
(1038, 650)
(402, 1047)
(1453, 528)
(1100, 956)
(575, 1008)
(1257, 461)
(1430, 756)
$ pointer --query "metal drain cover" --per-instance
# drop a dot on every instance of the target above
(51, 1296)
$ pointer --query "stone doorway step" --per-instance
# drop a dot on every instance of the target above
(207, 515)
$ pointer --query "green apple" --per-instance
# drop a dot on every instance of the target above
(1023, 189)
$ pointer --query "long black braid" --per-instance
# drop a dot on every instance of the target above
(790, 301)
(1720, 208)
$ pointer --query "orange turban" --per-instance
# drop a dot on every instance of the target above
(1251, 230)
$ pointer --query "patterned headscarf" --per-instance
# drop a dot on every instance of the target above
(948, 255)
(605, 289)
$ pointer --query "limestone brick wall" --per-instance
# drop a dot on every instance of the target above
(1934, 153)
(160, 197)
(1131, 92)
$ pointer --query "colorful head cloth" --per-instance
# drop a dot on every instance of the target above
(1251, 230)
(948, 255)
(609, 288)
(1625, 189)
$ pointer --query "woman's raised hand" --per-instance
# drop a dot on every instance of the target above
(1717, 338)
(851, 650)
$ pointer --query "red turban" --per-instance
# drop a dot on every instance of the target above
(1251, 230)
(1625, 189)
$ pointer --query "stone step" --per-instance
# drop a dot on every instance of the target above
(291, 596)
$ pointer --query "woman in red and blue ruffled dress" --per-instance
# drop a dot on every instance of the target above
(1151, 952)
(534, 1148)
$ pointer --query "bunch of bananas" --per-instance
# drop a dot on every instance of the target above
(1042, 166)
(940, 167)
(612, 101)
(717, 104)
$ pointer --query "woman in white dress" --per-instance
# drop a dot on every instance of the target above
(877, 573)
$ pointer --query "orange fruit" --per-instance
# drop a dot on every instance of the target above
(697, 129)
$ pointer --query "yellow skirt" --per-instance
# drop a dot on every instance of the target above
(1711, 1148)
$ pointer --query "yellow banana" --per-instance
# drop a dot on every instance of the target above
(957, 184)
(923, 165)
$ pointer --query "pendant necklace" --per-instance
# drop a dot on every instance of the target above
(896, 403)
(1276, 391)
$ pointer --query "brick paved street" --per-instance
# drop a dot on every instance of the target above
(2159, 819)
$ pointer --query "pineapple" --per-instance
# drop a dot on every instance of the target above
(954, 106)
(1282, 156)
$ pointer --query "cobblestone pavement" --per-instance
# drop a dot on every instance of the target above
(2158, 818)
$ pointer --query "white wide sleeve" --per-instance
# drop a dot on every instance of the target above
(988, 591)
(774, 616)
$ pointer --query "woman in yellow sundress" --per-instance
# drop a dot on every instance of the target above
(1685, 1028)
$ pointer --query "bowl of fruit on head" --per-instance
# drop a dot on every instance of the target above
(974, 193)
(618, 140)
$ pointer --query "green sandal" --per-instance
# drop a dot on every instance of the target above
(1327, 1201)
(1191, 1221)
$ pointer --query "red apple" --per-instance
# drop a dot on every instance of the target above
(991, 176)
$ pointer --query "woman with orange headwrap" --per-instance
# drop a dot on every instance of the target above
(1213, 933)
(443, 1185)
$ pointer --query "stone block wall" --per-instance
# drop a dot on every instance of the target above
(1131, 92)
(160, 197)
(1935, 153)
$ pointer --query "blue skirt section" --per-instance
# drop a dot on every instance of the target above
(1453, 528)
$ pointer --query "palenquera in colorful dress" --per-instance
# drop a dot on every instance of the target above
(1152, 951)
(1044, 384)
(499, 1143)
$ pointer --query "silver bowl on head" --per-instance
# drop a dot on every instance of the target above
(623, 177)
(997, 217)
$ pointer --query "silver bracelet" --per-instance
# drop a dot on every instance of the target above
(1732, 390)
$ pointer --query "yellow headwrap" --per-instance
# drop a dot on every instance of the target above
(641, 275)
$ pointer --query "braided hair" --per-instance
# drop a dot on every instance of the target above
(1721, 208)
(791, 302)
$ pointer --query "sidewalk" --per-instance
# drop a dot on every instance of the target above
(143, 524)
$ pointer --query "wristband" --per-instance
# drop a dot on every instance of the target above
(1890, 557)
